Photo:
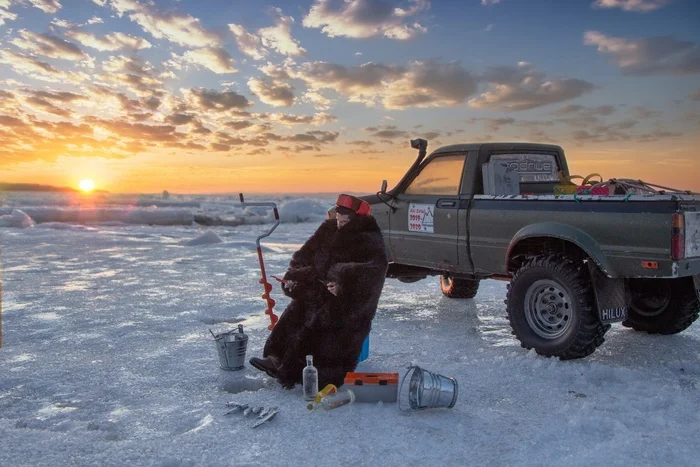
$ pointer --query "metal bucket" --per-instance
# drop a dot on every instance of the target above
(231, 347)
(427, 390)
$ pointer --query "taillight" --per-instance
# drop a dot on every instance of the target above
(678, 239)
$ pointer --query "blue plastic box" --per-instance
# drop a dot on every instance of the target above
(365, 350)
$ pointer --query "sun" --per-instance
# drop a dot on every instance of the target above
(87, 185)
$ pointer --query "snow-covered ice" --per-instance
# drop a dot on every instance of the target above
(107, 359)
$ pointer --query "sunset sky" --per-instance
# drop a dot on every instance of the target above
(323, 95)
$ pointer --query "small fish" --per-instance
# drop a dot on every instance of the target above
(235, 407)
(267, 418)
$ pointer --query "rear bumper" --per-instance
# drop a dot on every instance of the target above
(687, 267)
(629, 267)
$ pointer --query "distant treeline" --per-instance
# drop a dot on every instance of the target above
(32, 187)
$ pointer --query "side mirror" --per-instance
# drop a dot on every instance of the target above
(383, 188)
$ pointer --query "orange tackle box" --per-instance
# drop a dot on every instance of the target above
(373, 387)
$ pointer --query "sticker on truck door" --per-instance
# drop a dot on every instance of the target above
(420, 217)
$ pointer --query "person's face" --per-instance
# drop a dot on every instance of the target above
(342, 219)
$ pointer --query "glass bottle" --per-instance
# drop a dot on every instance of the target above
(310, 379)
(338, 399)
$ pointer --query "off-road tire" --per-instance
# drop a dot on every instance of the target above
(409, 279)
(661, 306)
(458, 288)
(545, 284)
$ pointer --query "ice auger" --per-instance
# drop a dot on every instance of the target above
(263, 280)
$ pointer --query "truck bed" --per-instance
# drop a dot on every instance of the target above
(622, 232)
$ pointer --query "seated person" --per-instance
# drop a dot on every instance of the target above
(335, 281)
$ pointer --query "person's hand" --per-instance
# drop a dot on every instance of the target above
(333, 288)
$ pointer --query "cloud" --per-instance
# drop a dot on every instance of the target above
(44, 105)
(48, 45)
(275, 93)
(355, 82)
(109, 42)
(315, 136)
(492, 125)
(36, 69)
(138, 75)
(248, 43)
(361, 19)
(523, 88)
(316, 119)
(45, 101)
(4, 13)
(422, 84)
(279, 36)
(175, 27)
(8, 121)
(47, 6)
(490, 2)
(620, 131)
(317, 99)
(239, 125)
(8, 102)
(214, 59)
(30, 139)
(211, 100)
(654, 55)
(387, 132)
(641, 113)
(632, 5)
(62, 23)
(136, 131)
(361, 143)
(430, 84)
(277, 71)
(582, 110)
(180, 119)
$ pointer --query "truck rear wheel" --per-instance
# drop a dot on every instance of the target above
(458, 288)
(551, 308)
(661, 306)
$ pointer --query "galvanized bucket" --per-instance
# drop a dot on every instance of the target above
(231, 347)
(427, 390)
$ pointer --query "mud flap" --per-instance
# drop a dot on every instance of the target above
(610, 295)
(696, 282)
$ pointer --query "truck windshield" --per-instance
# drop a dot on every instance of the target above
(440, 176)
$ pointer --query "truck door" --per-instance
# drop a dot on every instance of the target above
(424, 224)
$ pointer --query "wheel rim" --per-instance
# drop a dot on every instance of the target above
(548, 309)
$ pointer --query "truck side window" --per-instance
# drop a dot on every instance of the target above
(441, 176)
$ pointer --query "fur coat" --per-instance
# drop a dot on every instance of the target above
(316, 322)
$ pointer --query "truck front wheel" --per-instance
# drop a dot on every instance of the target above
(661, 306)
(458, 288)
(551, 308)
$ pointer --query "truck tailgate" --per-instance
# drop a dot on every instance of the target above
(692, 234)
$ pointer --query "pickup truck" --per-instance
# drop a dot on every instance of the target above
(576, 263)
